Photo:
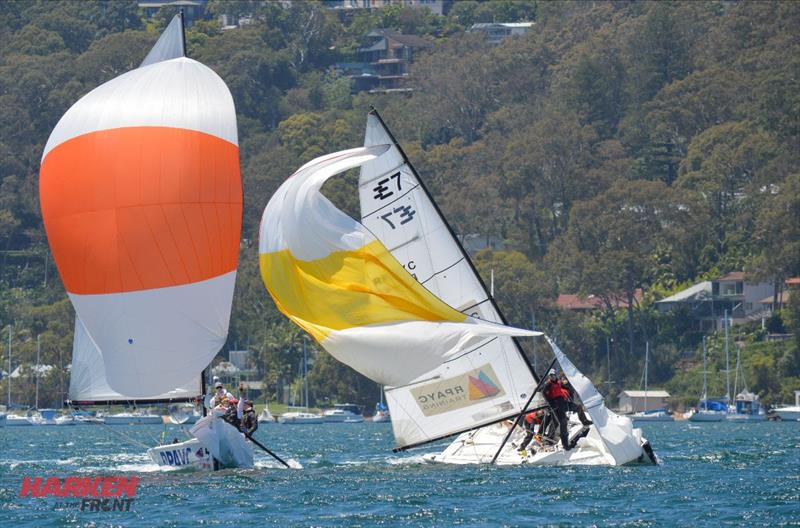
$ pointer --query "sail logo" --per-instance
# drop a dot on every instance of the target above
(458, 392)
(482, 387)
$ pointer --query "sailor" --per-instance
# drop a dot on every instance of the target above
(558, 398)
(574, 405)
(248, 422)
(220, 395)
(532, 419)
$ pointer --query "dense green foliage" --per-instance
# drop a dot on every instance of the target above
(614, 147)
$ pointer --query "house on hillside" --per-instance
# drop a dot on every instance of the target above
(383, 61)
(708, 301)
(576, 303)
(440, 7)
(192, 9)
(497, 32)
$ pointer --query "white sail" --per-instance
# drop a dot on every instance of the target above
(616, 431)
(169, 44)
(87, 382)
(397, 209)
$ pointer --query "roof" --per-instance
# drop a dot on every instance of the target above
(483, 25)
(783, 298)
(650, 394)
(794, 281)
(571, 301)
(698, 291)
(412, 41)
(732, 276)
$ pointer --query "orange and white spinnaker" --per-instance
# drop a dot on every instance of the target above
(142, 203)
(333, 278)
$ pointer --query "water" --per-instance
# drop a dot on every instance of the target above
(711, 475)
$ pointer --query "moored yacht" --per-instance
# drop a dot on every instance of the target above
(747, 408)
(344, 413)
(790, 412)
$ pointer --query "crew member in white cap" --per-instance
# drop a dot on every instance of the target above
(220, 394)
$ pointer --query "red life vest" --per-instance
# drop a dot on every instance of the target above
(554, 391)
(533, 417)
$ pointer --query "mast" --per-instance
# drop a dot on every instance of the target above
(305, 373)
(646, 361)
(727, 364)
(705, 374)
(460, 246)
(8, 404)
(38, 352)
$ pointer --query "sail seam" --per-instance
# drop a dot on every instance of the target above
(435, 273)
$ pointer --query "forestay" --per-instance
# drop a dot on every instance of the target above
(483, 383)
(87, 380)
(141, 200)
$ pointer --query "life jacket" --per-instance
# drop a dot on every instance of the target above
(555, 391)
(533, 418)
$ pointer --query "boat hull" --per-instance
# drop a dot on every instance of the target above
(789, 414)
(747, 417)
(188, 454)
(652, 418)
(300, 418)
(128, 419)
(708, 416)
(480, 446)
(17, 421)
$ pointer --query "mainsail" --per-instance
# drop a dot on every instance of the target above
(141, 199)
(445, 370)
(398, 209)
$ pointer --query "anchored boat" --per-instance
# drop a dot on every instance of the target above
(396, 297)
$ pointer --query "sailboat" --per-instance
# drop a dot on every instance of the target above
(747, 407)
(382, 414)
(302, 417)
(396, 297)
(650, 415)
(141, 199)
(708, 410)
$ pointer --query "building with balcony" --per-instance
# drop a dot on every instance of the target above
(497, 32)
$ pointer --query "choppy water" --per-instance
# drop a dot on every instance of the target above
(711, 475)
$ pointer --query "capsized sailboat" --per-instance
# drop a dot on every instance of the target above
(141, 199)
(396, 297)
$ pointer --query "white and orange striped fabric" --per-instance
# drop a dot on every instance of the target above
(142, 202)
(333, 278)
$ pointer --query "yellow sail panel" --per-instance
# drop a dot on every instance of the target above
(347, 289)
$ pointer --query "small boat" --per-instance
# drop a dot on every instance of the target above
(381, 412)
(707, 410)
(747, 408)
(344, 413)
(653, 415)
(13, 420)
(266, 417)
(650, 415)
(301, 418)
(133, 418)
(790, 413)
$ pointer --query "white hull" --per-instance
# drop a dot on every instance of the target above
(184, 454)
(747, 417)
(342, 418)
(382, 417)
(133, 419)
(708, 416)
(653, 417)
(790, 414)
(17, 421)
(300, 418)
(480, 446)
